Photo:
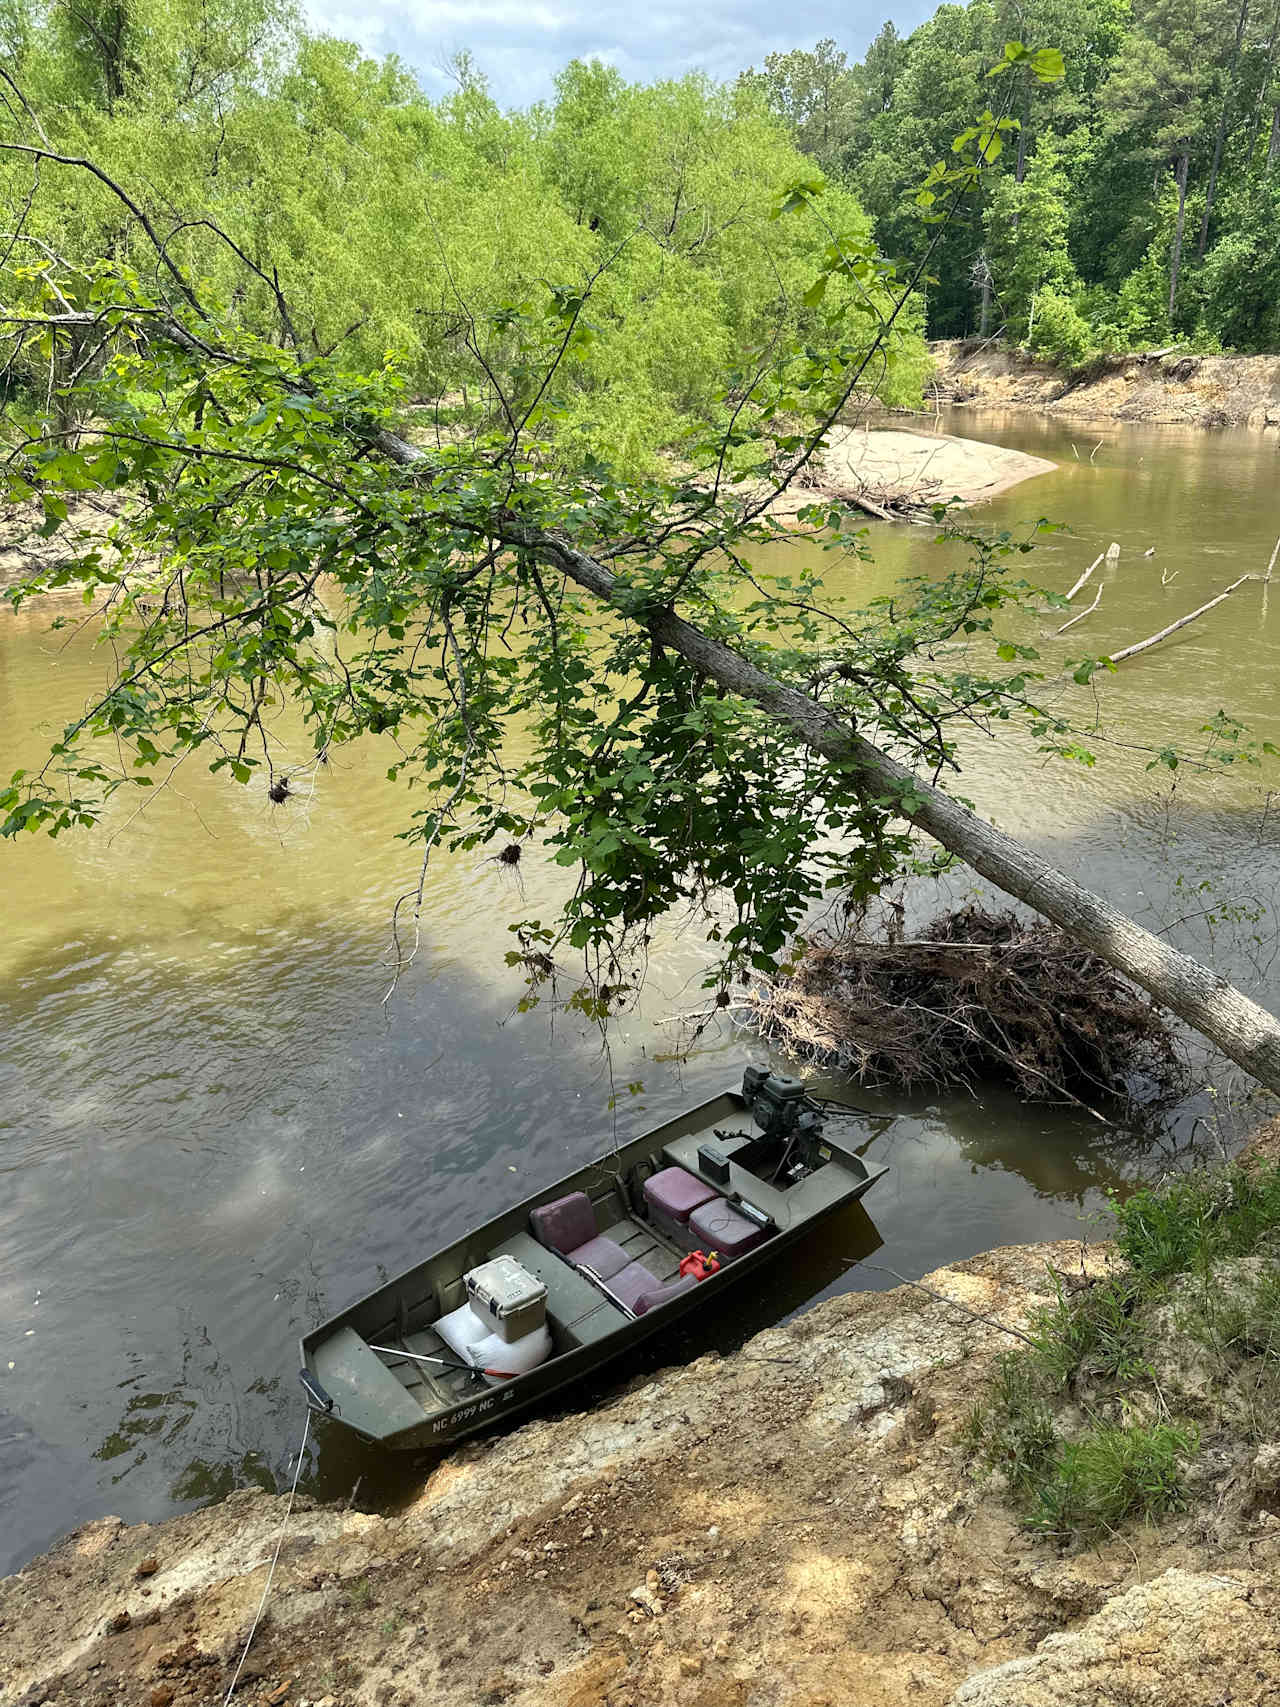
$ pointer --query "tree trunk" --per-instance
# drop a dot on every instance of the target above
(1238, 1026)
(984, 322)
(1242, 1030)
(1020, 166)
(1175, 261)
(1220, 137)
(1273, 146)
(1264, 80)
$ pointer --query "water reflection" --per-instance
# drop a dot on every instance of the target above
(212, 1134)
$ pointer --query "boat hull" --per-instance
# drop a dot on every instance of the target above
(476, 1411)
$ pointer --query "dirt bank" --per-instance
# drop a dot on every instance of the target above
(1197, 391)
(794, 1524)
(896, 472)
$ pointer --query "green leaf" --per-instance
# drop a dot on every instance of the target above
(1048, 65)
(55, 513)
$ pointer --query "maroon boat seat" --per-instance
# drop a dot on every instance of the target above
(718, 1227)
(661, 1294)
(569, 1226)
(672, 1196)
(631, 1284)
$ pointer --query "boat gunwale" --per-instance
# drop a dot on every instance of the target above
(498, 1401)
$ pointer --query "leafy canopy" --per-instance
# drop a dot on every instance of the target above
(273, 539)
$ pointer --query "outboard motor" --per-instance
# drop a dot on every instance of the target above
(788, 1116)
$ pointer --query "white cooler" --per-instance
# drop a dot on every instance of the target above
(501, 1330)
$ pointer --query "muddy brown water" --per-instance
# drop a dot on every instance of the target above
(212, 1132)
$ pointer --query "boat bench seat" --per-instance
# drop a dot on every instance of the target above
(719, 1227)
(569, 1226)
(367, 1395)
(580, 1312)
(662, 1292)
(671, 1197)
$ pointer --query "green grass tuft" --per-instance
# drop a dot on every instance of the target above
(1184, 1224)
(1057, 1420)
(1112, 1473)
(1015, 1432)
(1093, 1333)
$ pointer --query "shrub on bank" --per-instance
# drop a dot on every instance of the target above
(1103, 1417)
(1059, 331)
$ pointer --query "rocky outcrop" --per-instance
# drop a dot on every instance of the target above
(1264, 1144)
(1171, 386)
(794, 1524)
(1188, 1637)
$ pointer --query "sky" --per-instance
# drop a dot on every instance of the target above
(521, 44)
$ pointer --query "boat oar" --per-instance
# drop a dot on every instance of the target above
(444, 1363)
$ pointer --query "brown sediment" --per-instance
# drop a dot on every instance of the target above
(1263, 1145)
(898, 473)
(1170, 386)
(795, 1524)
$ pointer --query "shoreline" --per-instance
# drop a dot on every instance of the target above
(898, 473)
(889, 473)
(1173, 387)
(795, 1521)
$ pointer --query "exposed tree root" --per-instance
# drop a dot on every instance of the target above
(977, 995)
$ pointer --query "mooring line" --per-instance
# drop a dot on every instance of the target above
(266, 1589)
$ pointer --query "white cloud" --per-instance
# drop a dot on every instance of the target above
(521, 44)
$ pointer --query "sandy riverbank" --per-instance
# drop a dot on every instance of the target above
(898, 471)
(1176, 388)
(891, 471)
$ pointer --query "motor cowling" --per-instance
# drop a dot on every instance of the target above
(779, 1105)
(789, 1117)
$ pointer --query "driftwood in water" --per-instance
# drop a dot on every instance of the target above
(1155, 639)
(977, 996)
(1087, 611)
(1089, 571)
(1110, 555)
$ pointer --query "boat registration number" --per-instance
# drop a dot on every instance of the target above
(480, 1407)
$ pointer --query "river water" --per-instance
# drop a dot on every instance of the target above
(212, 1131)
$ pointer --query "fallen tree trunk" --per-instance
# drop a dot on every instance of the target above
(1155, 639)
(1245, 1032)
(1239, 1027)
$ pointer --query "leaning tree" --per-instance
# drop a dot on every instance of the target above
(255, 525)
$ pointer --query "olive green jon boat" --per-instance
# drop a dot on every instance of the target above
(549, 1291)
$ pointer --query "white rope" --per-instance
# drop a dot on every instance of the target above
(266, 1590)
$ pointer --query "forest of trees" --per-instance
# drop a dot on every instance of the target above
(397, 225)
(1138, 203)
